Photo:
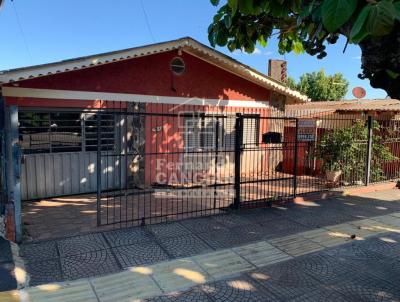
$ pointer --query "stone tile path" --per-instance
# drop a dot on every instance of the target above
(102, 253)
(359, 270)
(274, 267)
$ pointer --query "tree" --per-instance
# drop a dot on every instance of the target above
(309, 25)
(291, 83)
(320, 87)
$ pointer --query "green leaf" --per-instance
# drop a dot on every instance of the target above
(306, 11)
(214, 2)
(249, 47)
(298, 47)
(358, 27)
(246, 7)
(228, 21)
(277, 9)
(233, 4)
(381, 18)
(360, 36)
(392, 74)
(262, 41)
(217, 17)
(337, 12)
(210, 28)
(231, 46)
(397, 10)
(221, 38)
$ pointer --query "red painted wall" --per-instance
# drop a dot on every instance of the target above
(151, 75)
(302, 150)
(167, 145)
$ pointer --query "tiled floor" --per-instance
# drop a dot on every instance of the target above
(106, 252)
(57, 217)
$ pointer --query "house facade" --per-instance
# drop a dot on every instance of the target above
(152, 99)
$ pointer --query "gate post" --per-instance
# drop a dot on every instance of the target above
(98, 168)
(369, 151)
(238, 152)
(296, 146)
(13, 173)
(216, 142)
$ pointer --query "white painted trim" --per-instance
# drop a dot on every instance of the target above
(126, 97)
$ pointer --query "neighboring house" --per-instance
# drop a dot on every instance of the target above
(56, 105)
(317, 118)
(378, 108)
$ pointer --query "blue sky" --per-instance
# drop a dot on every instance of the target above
(60, 29)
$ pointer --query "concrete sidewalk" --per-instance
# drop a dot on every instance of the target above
(139, 282)
(104, 253)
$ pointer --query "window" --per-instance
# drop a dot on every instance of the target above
(178, 66)
(198, 133)
(107, 131)
(251, 130)
(228, 132)
(43, 132)
(201, 132)
(50, 132)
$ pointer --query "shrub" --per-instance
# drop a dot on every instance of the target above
(345, 150)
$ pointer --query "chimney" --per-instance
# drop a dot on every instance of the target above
(277, 69)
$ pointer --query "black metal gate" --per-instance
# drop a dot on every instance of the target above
(267, 165)
(157, 167)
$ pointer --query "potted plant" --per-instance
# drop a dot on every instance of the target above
(333, 173)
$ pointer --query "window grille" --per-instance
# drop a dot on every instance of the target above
(251, 131)
(53, 132)
(200, 132)
(107, 131)
(45, 132)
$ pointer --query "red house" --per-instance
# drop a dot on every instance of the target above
(52, 116)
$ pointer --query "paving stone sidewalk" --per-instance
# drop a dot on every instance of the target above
(137, 263)
(364, 269)
(103, 253)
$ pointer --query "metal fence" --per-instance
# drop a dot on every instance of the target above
(3, 187)
(183, 165)
(345, 149)
(146, 166)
